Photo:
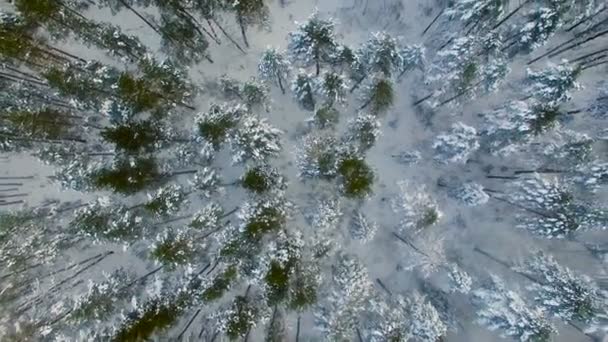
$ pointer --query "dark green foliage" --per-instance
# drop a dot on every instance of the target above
(173, 250)
(133, 137)
(181, 40)
(254, 94)
(242, 319)
(429, 218)
(216, 125)
(356, 176)
(156, 316)
(303, 290)
(71, 80)
(261, 179)
(46, 123)
(468, 76)
(266, 220)
(326, 117)
(256, 180)
(304, 92)
(115, 225)
(166, 80)
(137, 93)
(381, 96)
(546, 118)
(127, 178)
(39, 11)
(220, 284)
(277, 282)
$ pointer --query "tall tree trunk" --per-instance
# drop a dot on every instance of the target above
(210, 24)
(140, 16)
(298, 329)
(243, 30)
(356, 85)
(433, 22)
(281, 84)
(179, 337)
(595, 36)
(510, 15)
(423, 99)
(580, 34)
(229, 37)
(585, 19)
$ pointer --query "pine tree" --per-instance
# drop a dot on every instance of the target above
(127, 176)
(303, 87)
(314, 42)
(384, 54)
(363, 131)
(60, 19)
(470, 193)
(552, 85)
(255, 140)
(217, 124)
(250, 12)
(552, 211)
(457, 145)
(561, 292)
(332, 88)
(362, 228)
(504, 310)
(418, 210)
(350, 288)
(356, 177)
(378, 95)
(317, 155)
(473, 14)
(275, 68)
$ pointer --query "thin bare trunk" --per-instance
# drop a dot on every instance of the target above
(179, 337)
(298, 329)
(595, 36)
(585, 19)
(229, 37)
(384, 286)
(433, 22)
(510, 15)
(423, 99)
(243, 30)
(281, 84)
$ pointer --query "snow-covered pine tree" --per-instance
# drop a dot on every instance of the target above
(470, 193)
(416, 207)
(552, 211)
(363, 131)
(563, 293)
(275, 68)
(504, 310)
(248, 13)
(255, 140)
(303, 87)
(362, 228)
(377, 94)
(316, 156)
(457, 145)
(512, 126)
(60, 19)
(332, 88)
(314, 42)
(217, 124)
(477, 15)
(403, 319)
(552, 85)
(347, 293)
(386, 55)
